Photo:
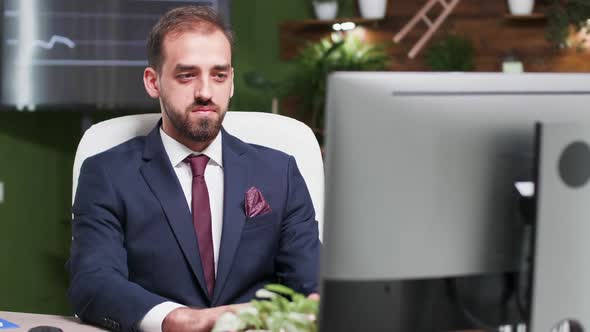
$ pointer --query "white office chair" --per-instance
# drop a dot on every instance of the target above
(271, 130)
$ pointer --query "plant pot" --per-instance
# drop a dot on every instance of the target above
(521, 7)
(372, 9)
(325, 10)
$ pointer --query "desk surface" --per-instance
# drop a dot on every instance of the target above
(27, 321)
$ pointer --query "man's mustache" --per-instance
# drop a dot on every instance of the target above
(203, 102)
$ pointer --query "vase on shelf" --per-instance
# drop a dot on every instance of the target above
(521, 7)
(372, 9)
(325, 10)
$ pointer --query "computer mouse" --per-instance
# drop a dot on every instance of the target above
(45, 329)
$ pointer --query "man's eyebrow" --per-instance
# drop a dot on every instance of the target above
(181, 67)
(221, 67)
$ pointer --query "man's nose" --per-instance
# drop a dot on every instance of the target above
(203, 91)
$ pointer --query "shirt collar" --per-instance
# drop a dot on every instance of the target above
(177, 152)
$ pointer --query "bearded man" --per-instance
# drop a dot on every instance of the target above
(162, 236)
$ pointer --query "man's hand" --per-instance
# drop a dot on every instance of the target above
(314, 296)
(195, 320)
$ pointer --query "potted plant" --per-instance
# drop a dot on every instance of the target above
(453, 53)
(372, 9)
(521, 7)
(279, 309)
(318, 59)
(563, 16)
(325, 9)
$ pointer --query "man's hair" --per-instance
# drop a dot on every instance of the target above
(181, 19)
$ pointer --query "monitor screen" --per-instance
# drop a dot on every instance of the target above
(420, 174)
(72, 54)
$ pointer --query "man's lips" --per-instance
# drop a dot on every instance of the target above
(203, 109)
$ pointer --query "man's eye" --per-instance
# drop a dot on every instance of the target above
(185, 76)
(221, 76)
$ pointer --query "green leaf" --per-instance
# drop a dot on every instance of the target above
(228, 322)
(251, 320)
(280, 289)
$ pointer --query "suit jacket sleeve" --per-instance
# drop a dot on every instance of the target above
(100, 290)
(299, 250)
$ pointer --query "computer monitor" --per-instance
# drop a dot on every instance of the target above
(561, 268)
(420, 173)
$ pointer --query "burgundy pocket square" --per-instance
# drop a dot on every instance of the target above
(255, 204)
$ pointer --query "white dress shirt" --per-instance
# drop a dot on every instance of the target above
(152, 322)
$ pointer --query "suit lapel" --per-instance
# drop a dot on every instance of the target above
(163, 182)
(235, 174)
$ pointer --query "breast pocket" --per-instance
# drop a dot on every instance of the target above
(259, 245)
(262, 221)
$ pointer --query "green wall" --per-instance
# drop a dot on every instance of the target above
(36, 156)
(257, 45)
(37, 153)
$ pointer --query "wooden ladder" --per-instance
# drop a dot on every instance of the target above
(422, 14)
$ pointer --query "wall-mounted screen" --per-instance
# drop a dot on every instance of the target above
(79, 54)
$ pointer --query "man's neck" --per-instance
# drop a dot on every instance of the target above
(191, 144)
(195, 146)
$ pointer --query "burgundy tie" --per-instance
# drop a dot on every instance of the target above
(202, 218)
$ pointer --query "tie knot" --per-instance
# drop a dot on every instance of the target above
(198, 164)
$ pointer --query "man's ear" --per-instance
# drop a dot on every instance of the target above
(150, 82)
(231, 93)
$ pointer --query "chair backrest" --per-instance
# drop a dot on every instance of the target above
(275, 131)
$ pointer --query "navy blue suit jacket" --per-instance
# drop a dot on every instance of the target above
(134, 245)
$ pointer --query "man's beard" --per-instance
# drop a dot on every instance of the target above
(204, 130)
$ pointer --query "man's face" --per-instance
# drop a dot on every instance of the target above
(195, 84)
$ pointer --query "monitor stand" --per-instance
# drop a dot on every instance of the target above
(423, 305)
